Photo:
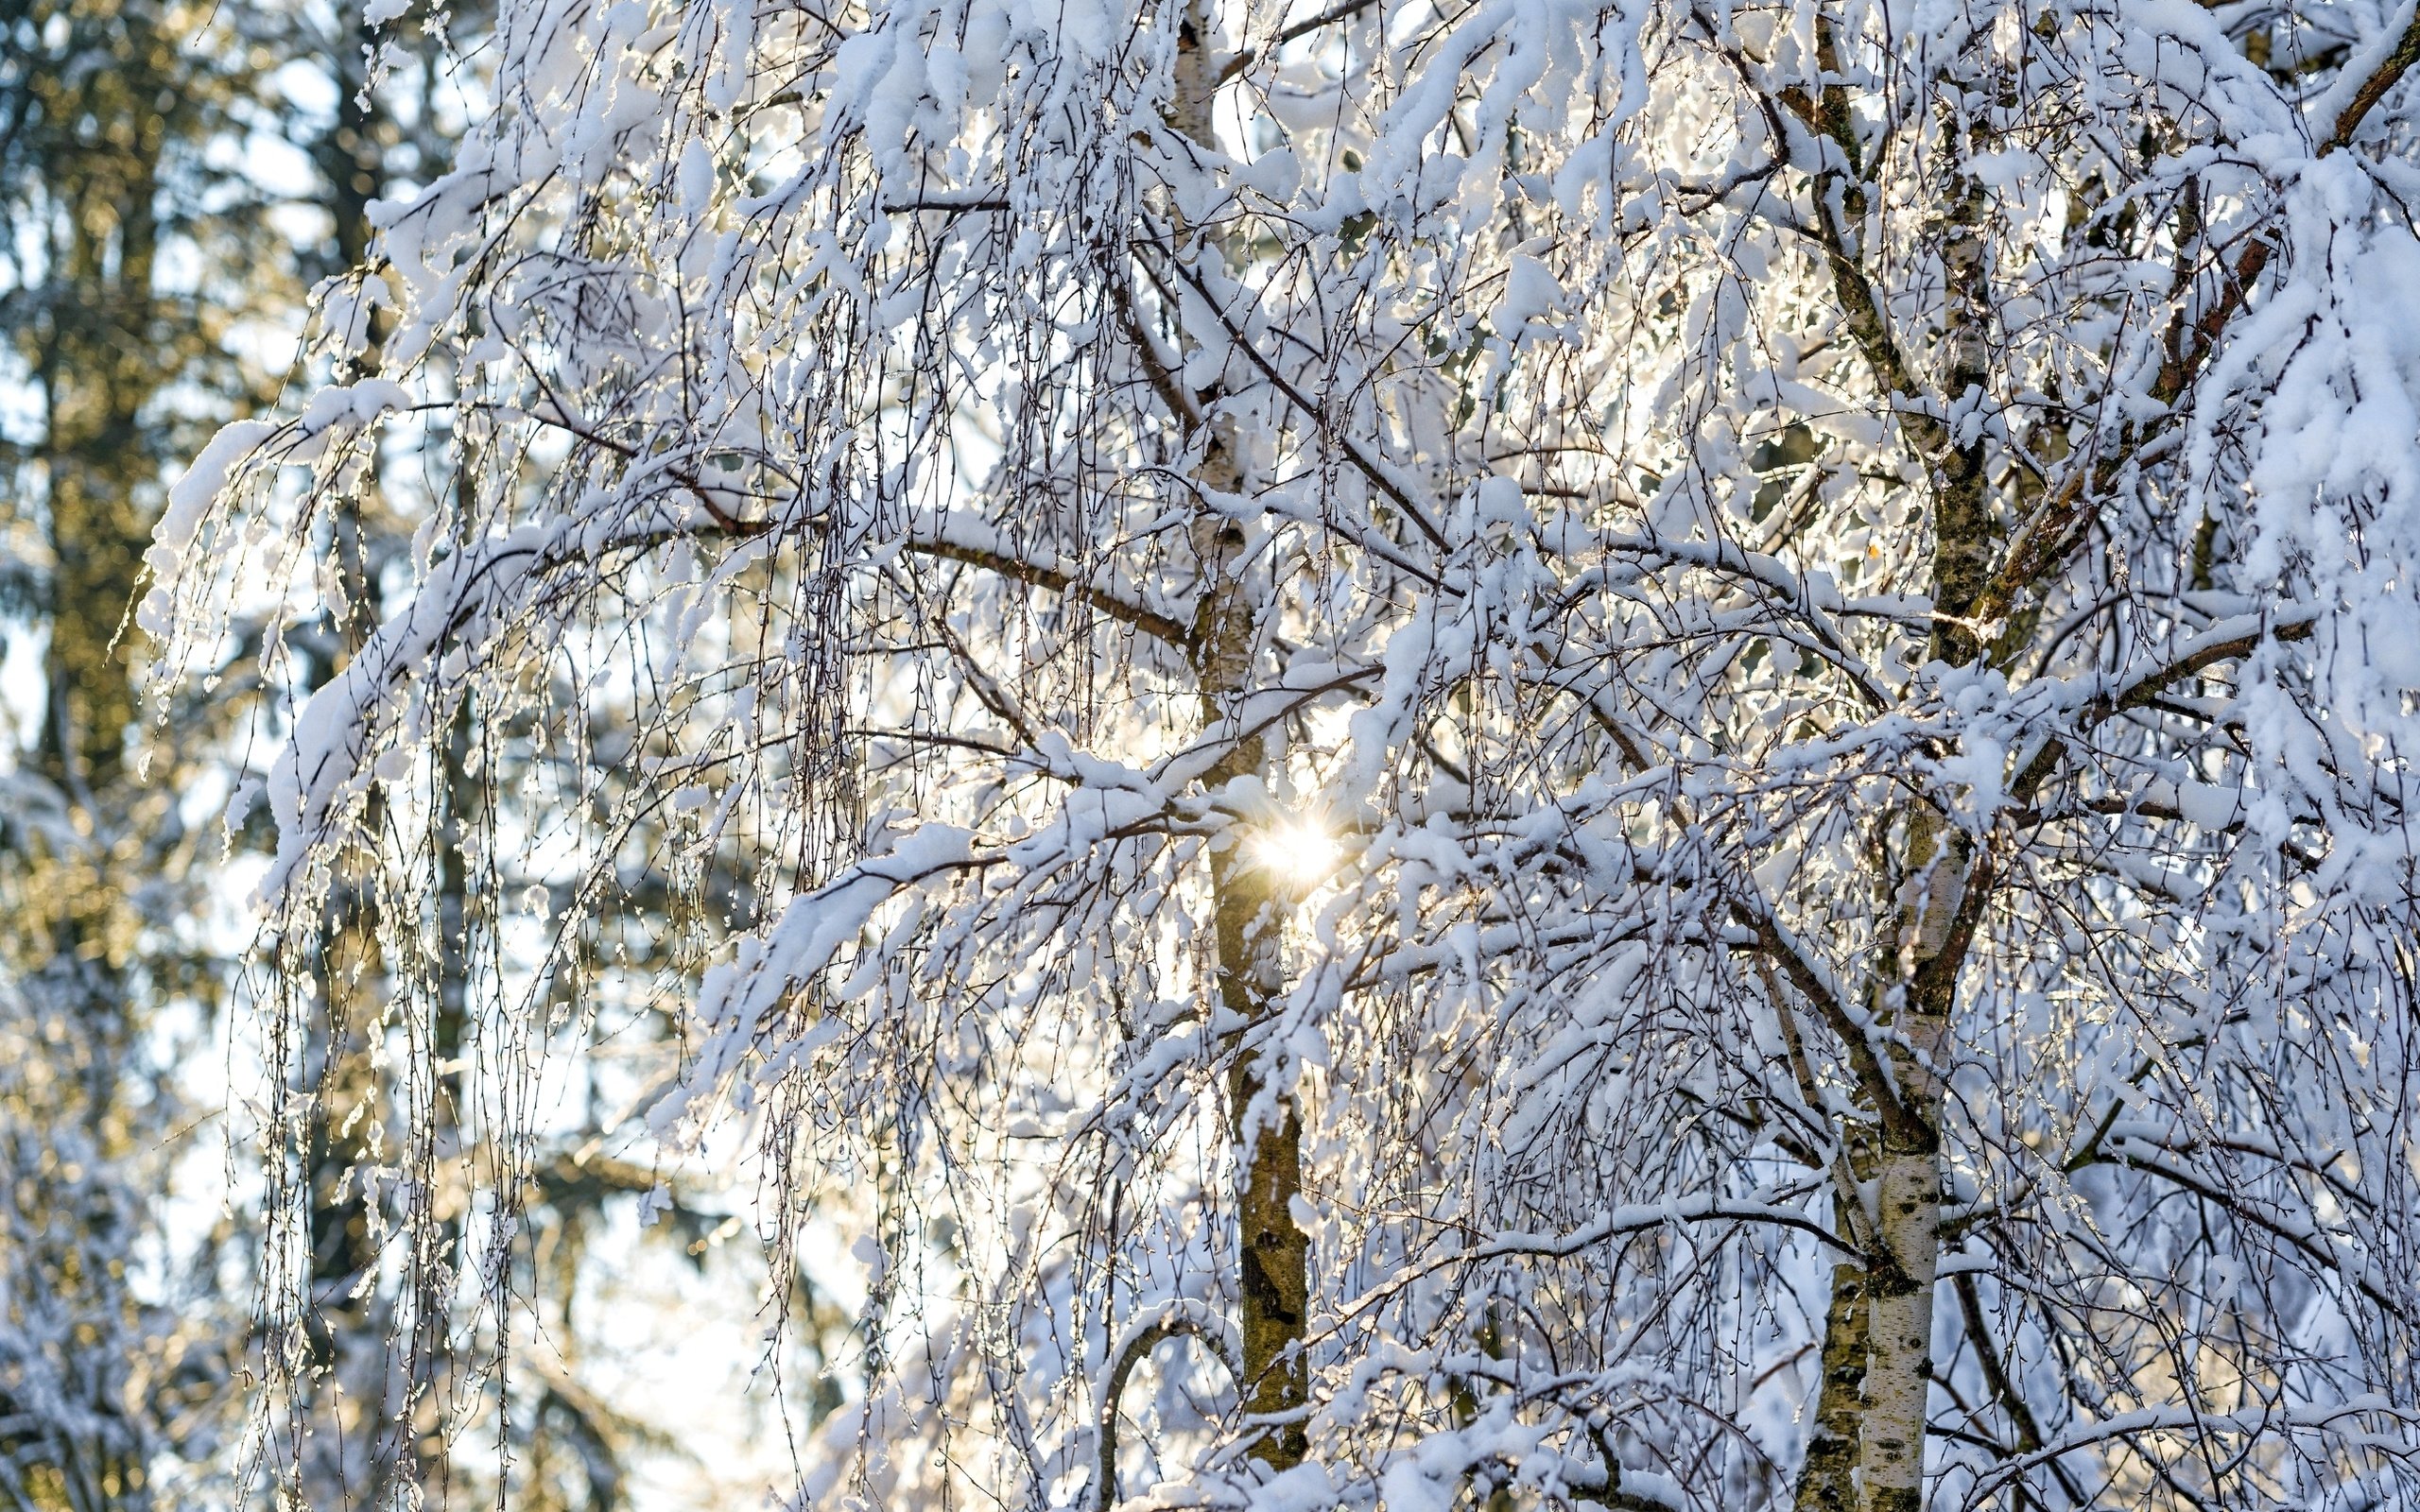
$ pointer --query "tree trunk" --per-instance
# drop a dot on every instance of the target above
(96, 371)
(1273, 1252)
(1273, 1258)
(1828, 1482)
(1878, 1346)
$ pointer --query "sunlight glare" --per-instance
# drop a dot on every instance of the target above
(1298, 851)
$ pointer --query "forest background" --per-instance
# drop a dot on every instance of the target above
(177, 183)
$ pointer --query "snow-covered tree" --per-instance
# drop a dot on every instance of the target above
(1641, 754)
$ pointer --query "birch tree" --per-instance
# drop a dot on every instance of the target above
(1640, 755)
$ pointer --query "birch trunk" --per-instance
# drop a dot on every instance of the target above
(1273, 1252)
(1828, 1482)
(1877, 1348)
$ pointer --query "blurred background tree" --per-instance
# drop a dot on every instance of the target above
(181, 187)
(132, 253)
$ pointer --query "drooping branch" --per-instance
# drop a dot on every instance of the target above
(961, 539)
(1170, 1320)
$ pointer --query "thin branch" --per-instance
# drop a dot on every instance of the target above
(1055, 579)
(1345, 11)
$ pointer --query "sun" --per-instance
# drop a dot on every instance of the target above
(1297, 852)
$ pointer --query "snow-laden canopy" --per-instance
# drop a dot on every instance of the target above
(1653, 752)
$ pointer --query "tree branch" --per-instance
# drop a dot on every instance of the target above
(1178, 1320)
(949, 542)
